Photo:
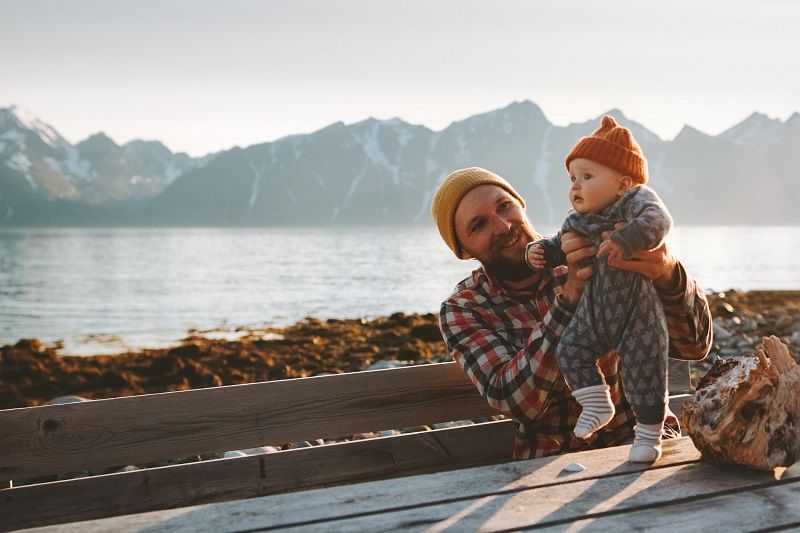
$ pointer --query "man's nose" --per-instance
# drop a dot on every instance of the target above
(502, 224)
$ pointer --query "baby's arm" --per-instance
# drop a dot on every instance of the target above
(545, 253)
(648, 223)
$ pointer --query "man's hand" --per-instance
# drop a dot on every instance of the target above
(658, 264)
(576, 248)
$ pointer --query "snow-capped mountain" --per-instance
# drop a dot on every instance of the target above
(38, 165)
(385, 172)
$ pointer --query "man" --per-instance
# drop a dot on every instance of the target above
(502, 323)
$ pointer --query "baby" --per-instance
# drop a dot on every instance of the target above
(619, 310)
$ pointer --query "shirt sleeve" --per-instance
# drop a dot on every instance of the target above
(648, 222)
(688, 319)
(517, 383)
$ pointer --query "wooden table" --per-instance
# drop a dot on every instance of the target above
(680, 492)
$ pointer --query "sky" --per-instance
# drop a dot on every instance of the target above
(202, 75)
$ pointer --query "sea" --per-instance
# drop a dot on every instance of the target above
(101, 290)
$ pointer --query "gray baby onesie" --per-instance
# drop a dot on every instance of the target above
(619, 310)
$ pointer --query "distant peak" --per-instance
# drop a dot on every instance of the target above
(615, 112)
(98, 139)
(689, 131)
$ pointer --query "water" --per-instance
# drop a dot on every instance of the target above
(105, 290)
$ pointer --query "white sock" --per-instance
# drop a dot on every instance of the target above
(597, 409)
(646, 446)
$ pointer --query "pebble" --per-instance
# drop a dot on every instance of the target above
(721, 333)
(387, 363)
(574, 467)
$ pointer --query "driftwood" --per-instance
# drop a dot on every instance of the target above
(746, 410)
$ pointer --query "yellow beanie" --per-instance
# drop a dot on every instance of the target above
(613, 146)
(450, 193)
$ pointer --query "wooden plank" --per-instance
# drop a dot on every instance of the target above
(244, 477)
(558, 505)
(772, 508)
(381, 498)
(140, 429)
(113, 432)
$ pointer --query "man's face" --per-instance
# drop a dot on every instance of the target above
(492, 227)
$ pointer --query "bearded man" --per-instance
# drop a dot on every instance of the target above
(503, 322)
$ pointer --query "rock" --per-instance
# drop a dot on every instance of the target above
(426, 332)
(725, 309)
(574, 467)
(384, 364)
(720, 333)
(795, 337)
(784, 321)
(59, 400)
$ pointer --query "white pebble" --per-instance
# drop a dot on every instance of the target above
(574, 467)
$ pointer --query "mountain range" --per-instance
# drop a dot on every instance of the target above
(380, 172)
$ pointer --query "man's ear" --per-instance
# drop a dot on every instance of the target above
(625, 185)
(465, 254)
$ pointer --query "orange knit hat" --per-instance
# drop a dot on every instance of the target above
(613, 146)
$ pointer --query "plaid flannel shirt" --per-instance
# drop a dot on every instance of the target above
(506, 341)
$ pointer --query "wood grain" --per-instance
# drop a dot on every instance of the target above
(244, 477)
(140, 429)
(387, 504)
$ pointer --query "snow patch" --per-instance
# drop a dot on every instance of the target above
(171, 173)
(55, 164)
(15, 136)
(45, 132)
(542, 171)
(19, 161)
(291, 195)
(355, 182)
(256, 184)
(371, 146)
(76, 166)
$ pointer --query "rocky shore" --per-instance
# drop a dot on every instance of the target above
(33, 374)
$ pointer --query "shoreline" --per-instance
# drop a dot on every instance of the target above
(34, 373)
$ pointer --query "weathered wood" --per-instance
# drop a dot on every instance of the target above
(555, 505)
(140, 429)
(244, 477)
(113, 432)
(747, 410)
(771, 508)
(324, 508)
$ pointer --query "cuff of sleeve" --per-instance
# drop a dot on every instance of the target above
(681, 290)
(566, 308)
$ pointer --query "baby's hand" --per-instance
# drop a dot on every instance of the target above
(535, 256)
(611, 249)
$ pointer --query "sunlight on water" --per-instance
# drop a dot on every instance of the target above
(102, 290)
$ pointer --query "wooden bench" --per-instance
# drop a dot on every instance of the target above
(57, 439)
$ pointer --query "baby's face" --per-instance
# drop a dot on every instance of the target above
(594, 186)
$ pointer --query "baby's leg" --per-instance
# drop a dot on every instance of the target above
(643, 354)
(577, 352)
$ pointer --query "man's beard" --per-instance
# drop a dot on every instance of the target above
(504, 268)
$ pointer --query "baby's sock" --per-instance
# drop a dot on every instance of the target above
(597, 409)
(646, 446)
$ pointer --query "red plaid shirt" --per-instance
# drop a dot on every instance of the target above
(506, 341)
